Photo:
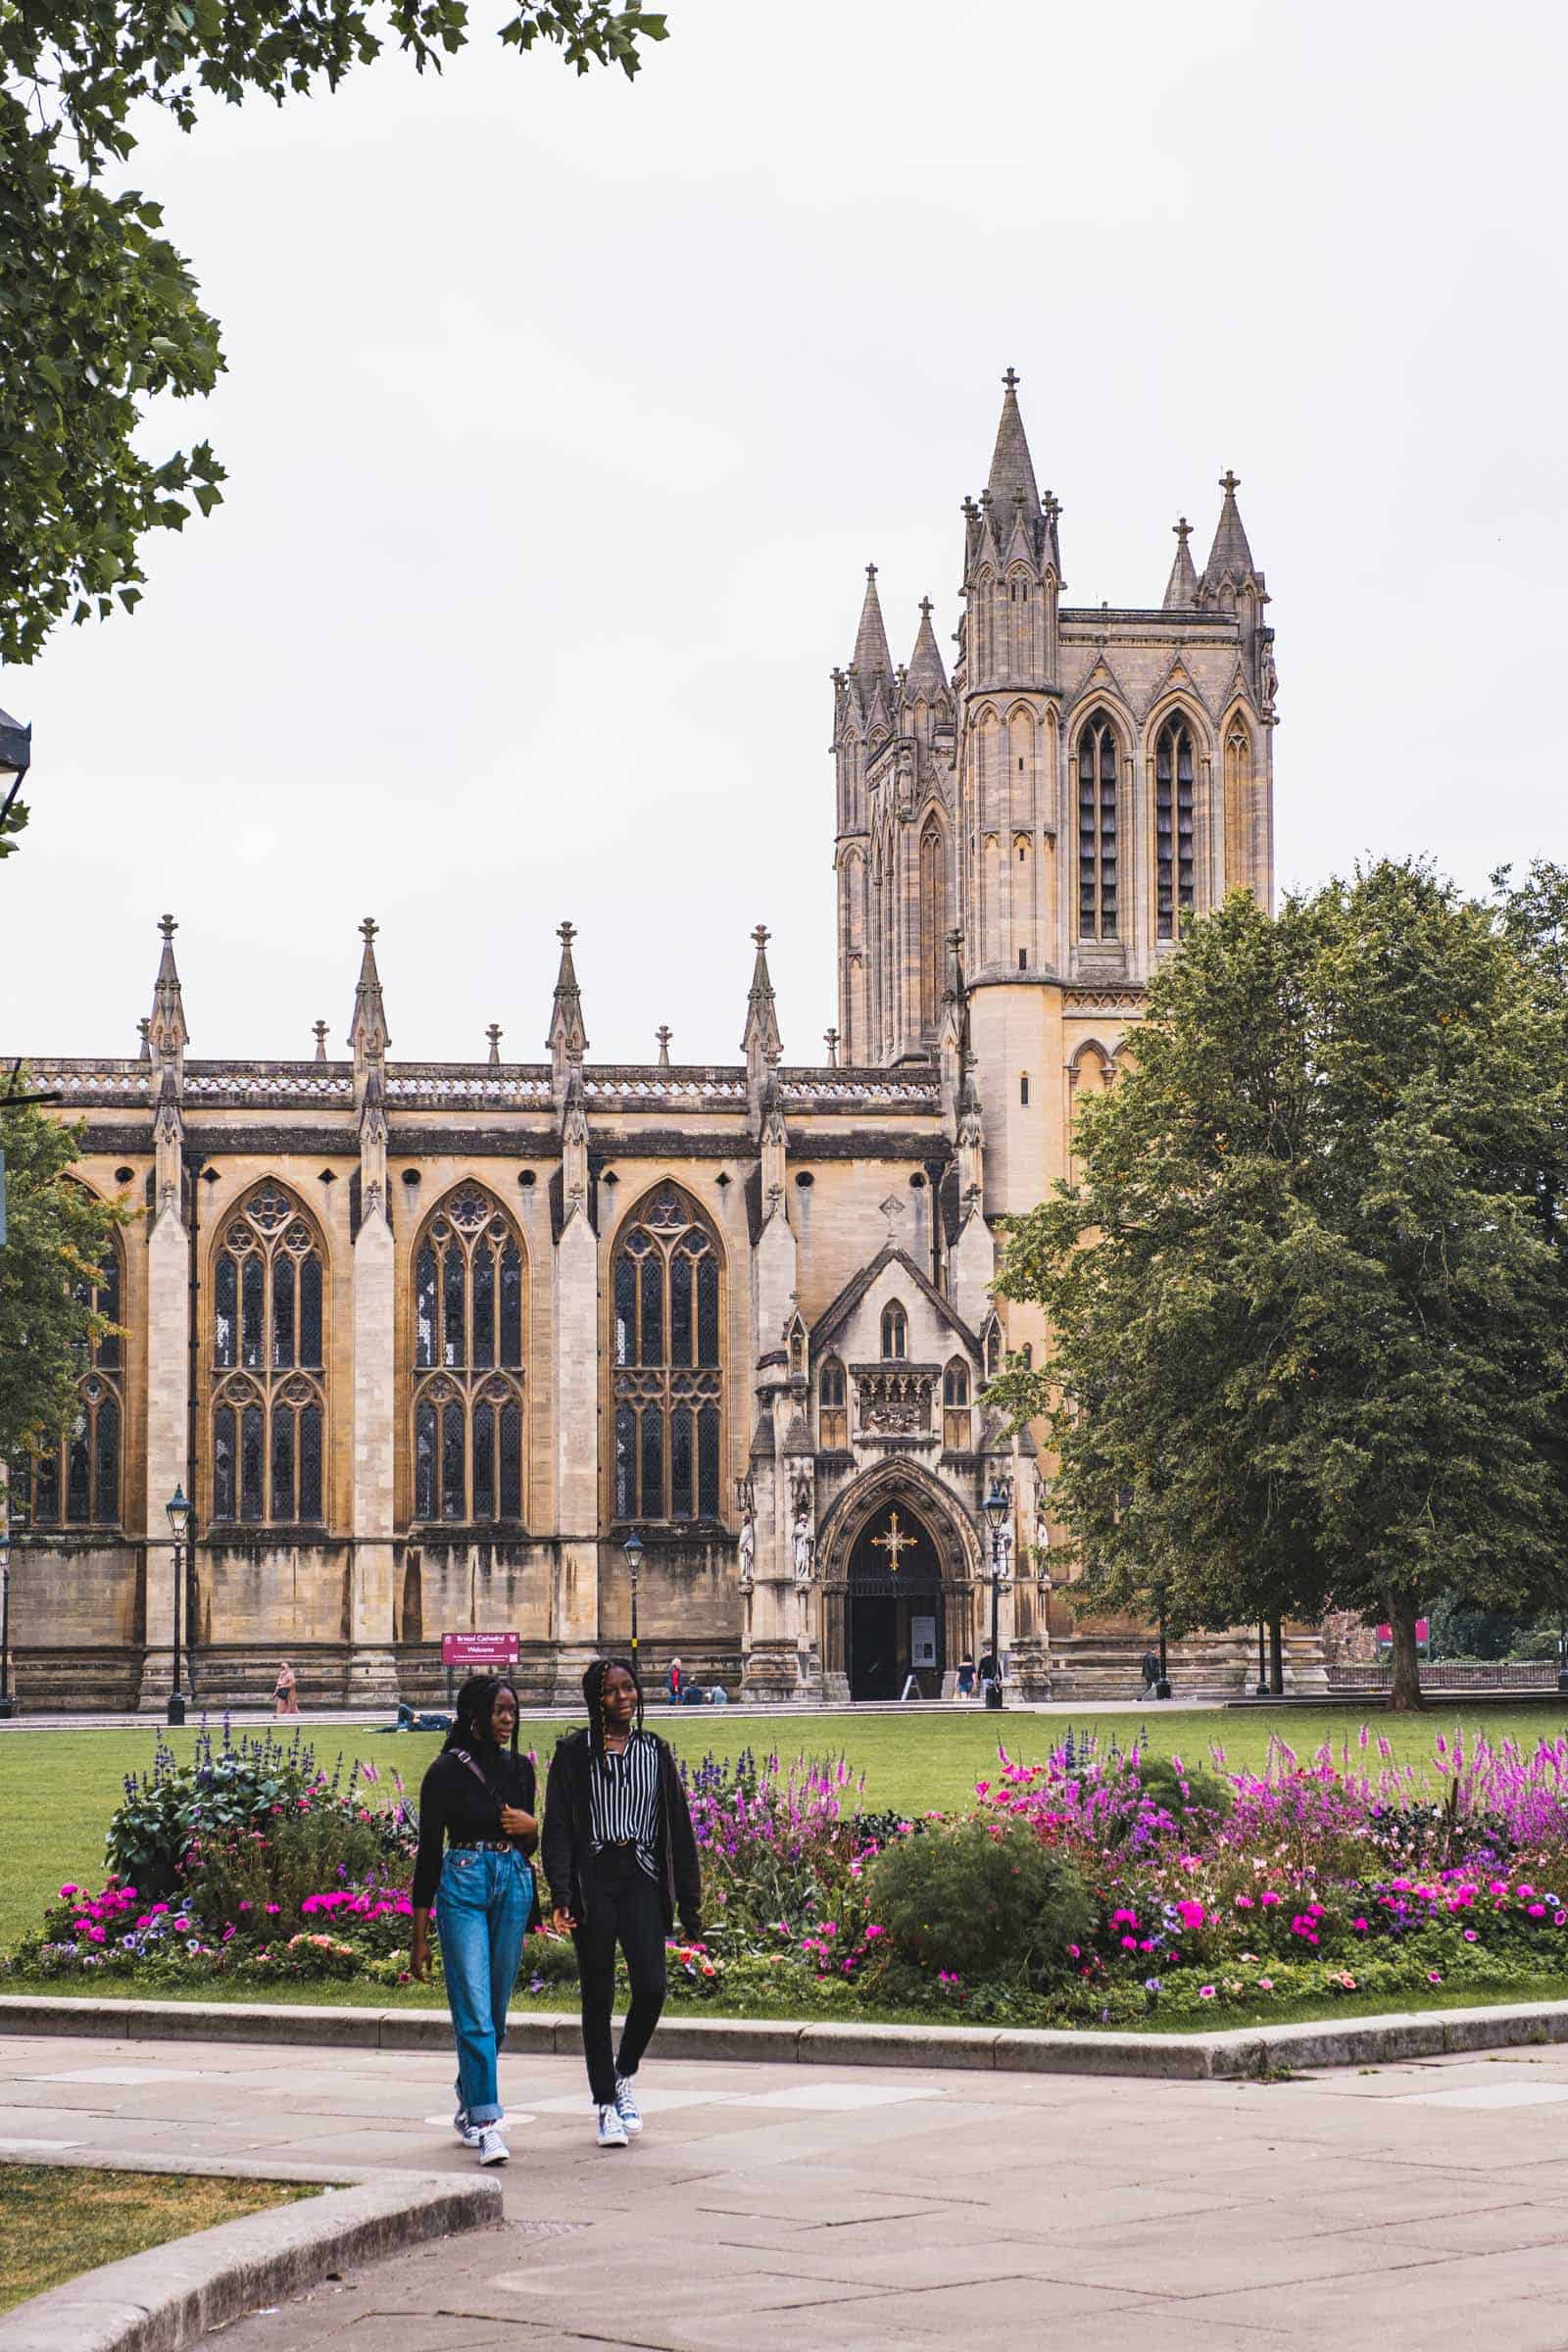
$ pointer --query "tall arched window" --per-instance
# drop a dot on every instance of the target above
(955, 1407)
(668, 1377)
(1173, 827)
(933, 925)
(895, 1331)
(1097, 915)
(268, 1356)
(1240, 847)
(469, 1269)
(832, 1419)
(76, 1481)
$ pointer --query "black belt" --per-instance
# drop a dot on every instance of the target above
(480, 1845)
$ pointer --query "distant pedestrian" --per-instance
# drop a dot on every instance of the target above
(1149, 1670)
(718, 1696)
(990, 1673)
(966, 1687)
(672, 1683)
(621, 1859)
(285, 1698)
(478, 1797)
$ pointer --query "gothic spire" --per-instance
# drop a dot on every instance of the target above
(1230, 553)
(663, 1033)
(567, 1040)
(760, 1042)
(318, 1032)
(166, 1034)
(1181, 589)
(368, 1030)
(493, 1033)
(871, 639)
(925, 663)
(1012, 468)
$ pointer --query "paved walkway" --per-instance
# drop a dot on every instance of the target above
(1421, 2206)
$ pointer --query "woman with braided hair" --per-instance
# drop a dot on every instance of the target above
(621, 1859)
(477, 1801)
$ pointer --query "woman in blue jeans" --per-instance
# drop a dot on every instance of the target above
(476, 1825)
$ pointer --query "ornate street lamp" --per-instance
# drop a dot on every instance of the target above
(994, 1507)
(179, 1519)
(633, 1549)
(16, 757)
(6, 1701)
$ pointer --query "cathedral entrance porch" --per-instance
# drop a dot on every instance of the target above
(896, 1592)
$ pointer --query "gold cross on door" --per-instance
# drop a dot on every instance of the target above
(895, 1542)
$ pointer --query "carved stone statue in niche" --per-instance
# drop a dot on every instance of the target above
(748, 1546)
(804, 1548)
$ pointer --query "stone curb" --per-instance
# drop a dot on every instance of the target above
(175, 2294)
(1175, 2057)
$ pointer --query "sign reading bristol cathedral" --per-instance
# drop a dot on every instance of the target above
(425, 1343)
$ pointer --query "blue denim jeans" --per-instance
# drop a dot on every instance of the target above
(481, 1907)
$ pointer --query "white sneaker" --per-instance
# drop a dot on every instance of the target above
(468, 2134)
(626, 2107)
(611, 2131)
(493, 2149)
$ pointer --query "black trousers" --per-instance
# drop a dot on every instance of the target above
(623, 1907)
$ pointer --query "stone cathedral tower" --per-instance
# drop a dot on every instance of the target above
(1085, 783)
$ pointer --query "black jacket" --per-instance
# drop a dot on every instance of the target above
(456, 1805)
(568, 1835)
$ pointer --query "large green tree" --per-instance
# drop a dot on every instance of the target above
(56, 1238)
(1307, 1325)
(97, 310)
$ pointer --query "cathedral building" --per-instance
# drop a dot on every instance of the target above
(427, 1342)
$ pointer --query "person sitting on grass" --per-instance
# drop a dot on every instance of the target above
(620, 1858)
(478, 1797)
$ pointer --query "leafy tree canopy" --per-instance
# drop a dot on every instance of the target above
(1307, 1315)
(57, 1237)
(97, 310)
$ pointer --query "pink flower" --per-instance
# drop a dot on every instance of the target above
(1470, 1936)
(1205, 1992)
(1265, 1983)
(66, 1893)
(1191, 1913)
(1243, 1902)
(1269, 1900)
(1538, 1910)
(1433, 1978)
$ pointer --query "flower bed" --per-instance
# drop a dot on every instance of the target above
(1097, 1887)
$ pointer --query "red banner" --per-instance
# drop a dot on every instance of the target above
(479, 1649)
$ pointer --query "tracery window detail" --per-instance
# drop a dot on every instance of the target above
(955, 1407)
(667, 1374)
(267, 1337)
(1173, 827)
(469, 1394)
(833, 1420)
(1098, 913)
(76, 1481)
(895, 1331)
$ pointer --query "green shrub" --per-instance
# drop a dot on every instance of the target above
(1190, 1790)
(977, 1901)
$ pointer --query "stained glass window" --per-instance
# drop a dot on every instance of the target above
(668, 1377)
(265, 1340)
(77, 1480)
(1098, 911)
(1173, 828)
(468, 1310)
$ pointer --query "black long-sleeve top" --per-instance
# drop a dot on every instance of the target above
(456, 1807)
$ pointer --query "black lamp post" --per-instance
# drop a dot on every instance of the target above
(1262, 1663)
(179, 1519)
(994, 1507)
(633, 1549)
(6, 1704)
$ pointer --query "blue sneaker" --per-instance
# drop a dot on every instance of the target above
(626, 2107)
(468, 2132)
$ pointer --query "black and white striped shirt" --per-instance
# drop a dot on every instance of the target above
(623, 1800)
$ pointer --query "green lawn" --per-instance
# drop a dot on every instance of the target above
(57, 2221)
(58, 1788)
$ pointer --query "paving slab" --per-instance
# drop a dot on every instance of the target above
(866, 2208)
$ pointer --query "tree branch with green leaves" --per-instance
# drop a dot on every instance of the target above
(98, 312)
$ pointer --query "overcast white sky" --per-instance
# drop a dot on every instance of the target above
(562, 418)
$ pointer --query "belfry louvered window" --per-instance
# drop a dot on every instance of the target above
(75, 1481)
(1173, 827)
(267, 1358)
(1097, 911)
(668, 1372)
(468, 1420)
